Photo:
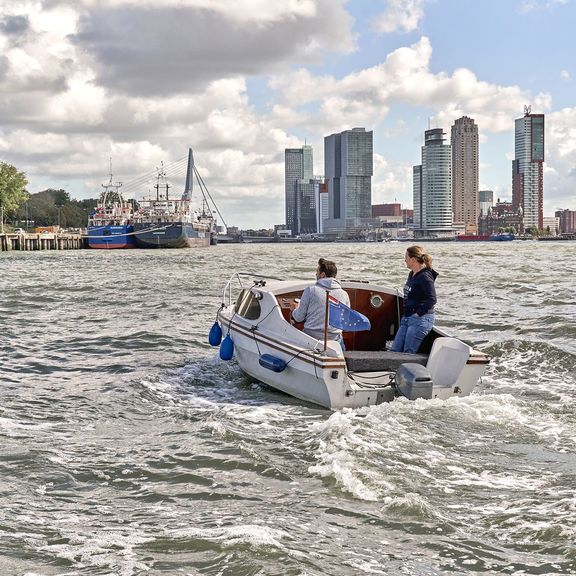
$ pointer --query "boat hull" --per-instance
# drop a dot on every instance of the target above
(472, 238)
(111, 237)
(170, 235)
(504, 237)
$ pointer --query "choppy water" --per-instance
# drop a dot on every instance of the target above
(128, 448)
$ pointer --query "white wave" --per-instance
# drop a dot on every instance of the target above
(340, 456)
(250, 534)
(112, 549)
(404, 447)
(13, 428)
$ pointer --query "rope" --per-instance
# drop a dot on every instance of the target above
(361, 384)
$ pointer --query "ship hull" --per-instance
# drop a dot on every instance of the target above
(504, 237)
(473, 238)
(111, 237)
(170, 235)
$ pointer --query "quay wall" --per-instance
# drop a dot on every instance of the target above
(27, 242)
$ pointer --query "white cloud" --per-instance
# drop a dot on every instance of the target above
(243, 10)
(392, 181)
(364, 97)
(533, 5)
(400, 15)
(181, 47)
(560, 176)
(565, 75)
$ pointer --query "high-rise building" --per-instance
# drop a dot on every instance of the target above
(348, 172)
(567, 219)
(297, 166)
(432, 187)
(306, 207)
(485, 201)
(464, 142)
(528, 168)
(322, 204)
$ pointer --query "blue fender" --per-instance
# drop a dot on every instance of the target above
(227, 348)
(215, 335)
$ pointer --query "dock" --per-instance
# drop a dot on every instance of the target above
(43, 241)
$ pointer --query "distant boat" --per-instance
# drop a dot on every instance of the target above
(472, 237)
(163, 221)
(110, 223)
(497, 237)
(502, 237)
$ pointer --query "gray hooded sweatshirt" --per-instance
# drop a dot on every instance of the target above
(312, 308)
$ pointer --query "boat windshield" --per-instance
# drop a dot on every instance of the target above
(247, 305)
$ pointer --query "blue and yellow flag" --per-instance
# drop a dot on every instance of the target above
(344, 318)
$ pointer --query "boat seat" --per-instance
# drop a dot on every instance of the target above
(447, 360)
(380, 360)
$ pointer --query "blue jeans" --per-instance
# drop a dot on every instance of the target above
(412, 330)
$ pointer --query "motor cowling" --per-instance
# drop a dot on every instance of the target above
(413, 381)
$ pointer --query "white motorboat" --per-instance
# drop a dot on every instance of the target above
(268, 347)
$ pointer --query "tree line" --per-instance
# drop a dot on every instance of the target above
(47, 208)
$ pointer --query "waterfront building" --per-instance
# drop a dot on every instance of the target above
(551, 225)
(464, 142)
(567, 221)
(348, 171)
(528, 168)
(307, 206)
(501, 217)
(432, 188)
(485, 201)
(392, 213)
(386, 210)
(298, 165)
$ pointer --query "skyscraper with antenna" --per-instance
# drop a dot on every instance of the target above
(528, 168)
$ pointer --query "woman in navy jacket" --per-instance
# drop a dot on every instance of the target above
(419, 301)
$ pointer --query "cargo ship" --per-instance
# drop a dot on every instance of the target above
(110, 223)
(163, 221)
(499, 237)
(472, 237)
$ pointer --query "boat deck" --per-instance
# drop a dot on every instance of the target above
(380, 360)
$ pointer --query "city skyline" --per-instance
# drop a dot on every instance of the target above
(84, 81)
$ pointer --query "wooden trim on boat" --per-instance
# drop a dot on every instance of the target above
(478, 360)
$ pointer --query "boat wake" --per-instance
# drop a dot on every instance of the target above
(532, 369)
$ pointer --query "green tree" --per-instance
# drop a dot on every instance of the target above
(12, 190)
(51, 206)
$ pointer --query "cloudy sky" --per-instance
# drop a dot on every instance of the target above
(138, 81)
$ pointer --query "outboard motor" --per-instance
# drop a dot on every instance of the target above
(414, 381)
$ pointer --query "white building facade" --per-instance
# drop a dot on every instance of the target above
(432, 188)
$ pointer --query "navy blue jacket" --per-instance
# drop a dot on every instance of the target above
(420, 293)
